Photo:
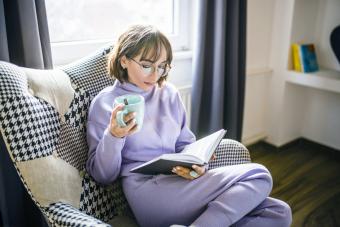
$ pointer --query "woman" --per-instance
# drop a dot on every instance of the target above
(232, 195)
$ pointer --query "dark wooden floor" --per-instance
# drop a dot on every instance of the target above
(307, 177)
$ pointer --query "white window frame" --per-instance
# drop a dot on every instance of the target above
(66, 52)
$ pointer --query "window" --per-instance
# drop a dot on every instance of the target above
(78, 27)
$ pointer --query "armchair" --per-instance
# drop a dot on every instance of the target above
(43, 117)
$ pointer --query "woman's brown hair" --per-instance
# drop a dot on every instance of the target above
(138, 39)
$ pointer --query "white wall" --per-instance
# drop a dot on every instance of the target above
(256, 108)
(259, 38)
(322, 118)
(259, 33)
(180, 74)
(283, 120)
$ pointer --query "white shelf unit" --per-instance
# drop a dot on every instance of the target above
(313, 21)
(304, 104)
(324, 79)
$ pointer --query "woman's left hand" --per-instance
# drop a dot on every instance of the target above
(189, 174)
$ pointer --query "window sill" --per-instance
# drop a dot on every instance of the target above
(182, 54)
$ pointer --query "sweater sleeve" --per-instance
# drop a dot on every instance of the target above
(186, 136)
(104, 159)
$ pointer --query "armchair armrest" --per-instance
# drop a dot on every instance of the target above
(230, 152)
(62, 214)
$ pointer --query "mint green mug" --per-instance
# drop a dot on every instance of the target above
(132, 103)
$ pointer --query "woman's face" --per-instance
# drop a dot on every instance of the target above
(143, 72)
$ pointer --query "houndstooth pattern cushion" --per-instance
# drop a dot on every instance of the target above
(102, 202)
(77, 113)
(63, 214)
(72, 146)
(13, 81)
(31, 126)
(90, 74)
(96, 200)
(230, 152)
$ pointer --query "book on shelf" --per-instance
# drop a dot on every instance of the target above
(296, 57)
(196, 153)
(304, 58)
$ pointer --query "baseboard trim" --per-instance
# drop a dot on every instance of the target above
(250, 140)
(299, 142)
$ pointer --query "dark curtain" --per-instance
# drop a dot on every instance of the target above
(24, 33)
(24, 41)
(219, 67)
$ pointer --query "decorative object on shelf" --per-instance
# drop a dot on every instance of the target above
(304, 58)
(335, 42)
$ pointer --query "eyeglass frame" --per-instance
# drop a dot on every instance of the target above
(167, 68)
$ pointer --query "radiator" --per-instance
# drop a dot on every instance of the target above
(185, 93)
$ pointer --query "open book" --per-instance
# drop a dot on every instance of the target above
(198, 153)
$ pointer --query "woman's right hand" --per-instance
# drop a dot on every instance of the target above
(129, 119)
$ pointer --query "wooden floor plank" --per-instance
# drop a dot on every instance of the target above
(307, 178)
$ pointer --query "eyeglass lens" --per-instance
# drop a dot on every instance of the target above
(161, 70)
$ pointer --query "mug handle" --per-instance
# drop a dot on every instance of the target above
(119, 117)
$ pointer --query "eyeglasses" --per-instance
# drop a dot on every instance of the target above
(148, 69)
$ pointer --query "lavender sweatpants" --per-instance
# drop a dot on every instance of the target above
(232, 195)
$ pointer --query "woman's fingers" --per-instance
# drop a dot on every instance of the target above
(200, 170)
(131, 126)
(129, 117)
(213, 157)
(114, 113)
(116, 109)
(118, 131)
(185, 172)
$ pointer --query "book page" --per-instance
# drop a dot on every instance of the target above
(183, 157)
(198, 153)
(204, 148)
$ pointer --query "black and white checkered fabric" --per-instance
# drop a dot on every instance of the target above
(72, 146)
(230, 152)
(13, 81)
(62, 214)
(77, 112)
(31, 127)
(90, 74)
(97, 200)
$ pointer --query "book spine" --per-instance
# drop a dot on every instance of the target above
(308, 58)
(303, 69)
(296, 58)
